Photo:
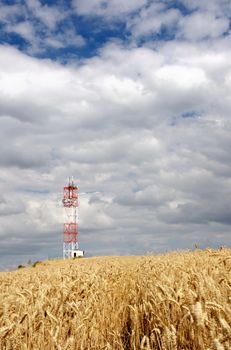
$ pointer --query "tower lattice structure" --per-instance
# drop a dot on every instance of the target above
(70, 227)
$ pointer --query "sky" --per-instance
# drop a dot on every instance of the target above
(131, 98)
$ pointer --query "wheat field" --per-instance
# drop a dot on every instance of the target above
(176, 301)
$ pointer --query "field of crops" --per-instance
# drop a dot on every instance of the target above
(179, 300)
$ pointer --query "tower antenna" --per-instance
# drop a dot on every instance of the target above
(70, 226)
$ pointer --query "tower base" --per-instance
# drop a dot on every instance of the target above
(72, 251)
(77, 253)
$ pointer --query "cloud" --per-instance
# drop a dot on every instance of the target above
(152, 19)
(214, 6)
(107, 9)
(143, 19)
(145, 126)
(63, 39)
(11, 206)
(40, 27)
(9, 12)
(50, 16)
(65, 29)
(24, 29)
(202, 25)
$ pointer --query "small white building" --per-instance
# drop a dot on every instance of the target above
(77, 253)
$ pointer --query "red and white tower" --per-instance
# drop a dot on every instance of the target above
(70, 227)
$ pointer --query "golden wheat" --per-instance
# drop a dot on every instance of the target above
(176, 301)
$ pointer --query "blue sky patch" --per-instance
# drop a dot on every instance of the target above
(45, 40)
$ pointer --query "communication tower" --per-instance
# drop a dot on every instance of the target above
(70, 227)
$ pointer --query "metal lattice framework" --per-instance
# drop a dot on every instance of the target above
(70, 229)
